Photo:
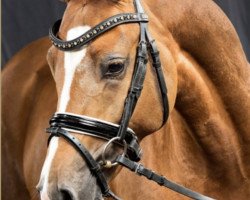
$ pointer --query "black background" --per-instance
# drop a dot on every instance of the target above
(26, 20)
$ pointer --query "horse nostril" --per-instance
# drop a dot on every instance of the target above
(66, 195)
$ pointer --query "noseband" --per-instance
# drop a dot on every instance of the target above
(63, 123)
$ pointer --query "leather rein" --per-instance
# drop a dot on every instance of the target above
(63, 123)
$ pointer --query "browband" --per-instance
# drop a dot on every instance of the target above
(95, 31)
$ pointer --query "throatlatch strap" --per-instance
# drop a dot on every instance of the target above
(160, 76)
(161, 180)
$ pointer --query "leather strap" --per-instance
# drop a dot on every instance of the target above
(97, 128)
(94, 32)
(156, 63)
(135, 88)
(146, 42)
(92, 164)
(138, 75)
(161, 180)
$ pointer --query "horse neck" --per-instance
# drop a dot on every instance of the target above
(203, 135)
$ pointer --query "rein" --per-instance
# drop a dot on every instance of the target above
(62, 123)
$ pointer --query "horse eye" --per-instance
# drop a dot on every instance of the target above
(115, 69)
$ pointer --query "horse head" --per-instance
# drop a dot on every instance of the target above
(93, 81)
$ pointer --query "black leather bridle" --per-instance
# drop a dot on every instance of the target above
(63, 123)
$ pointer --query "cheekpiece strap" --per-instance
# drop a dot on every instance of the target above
(156, 63)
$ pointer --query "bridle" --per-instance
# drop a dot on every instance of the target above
(63, 123)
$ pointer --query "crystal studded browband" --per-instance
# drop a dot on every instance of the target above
(95, 31)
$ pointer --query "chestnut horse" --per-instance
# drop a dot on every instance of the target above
(205, 143)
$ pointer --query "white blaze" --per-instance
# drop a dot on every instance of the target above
(71, 60)
(46, 167)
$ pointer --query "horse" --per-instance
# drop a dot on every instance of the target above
(204, 144)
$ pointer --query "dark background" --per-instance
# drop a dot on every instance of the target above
(26, 20)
